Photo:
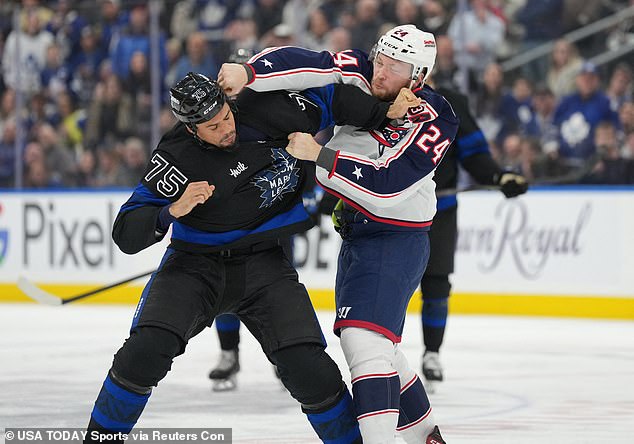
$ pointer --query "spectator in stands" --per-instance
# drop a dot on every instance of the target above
(542, 23)
(84, 64)
(536, 164)
(40, 167)
(436, 17)
(38, 176)
(544, 104)
(578, 115)
(241, 33)
(174, 51)
(619, 88)
(197, 58)
(134, 161)
(511, 159)
(407, 12)
(66, 25)
(7, 107)
(488, 99)
(72, 121)
(476, 35)
(139, 87)
(565, 64)
(209, 16)
(318, 28)
(110, 114)
(516, 111)
(86, 170)
(39, 111)
(7, 153)
(54, 75)
(445, 70)
(34, 8)
(108, 168)
(611, 169)
(269, 15)
(369, 21)
(110, 23)
(58, 158)
(338, 39)
(580, 13)
(22, 70)
(281, 35)
(135, 38)
(626, 119)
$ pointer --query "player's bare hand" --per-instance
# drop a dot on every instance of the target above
(302, 146)
(196, 193)
(232, 77)
(405, 100)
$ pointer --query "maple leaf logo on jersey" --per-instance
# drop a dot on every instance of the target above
(280, 179)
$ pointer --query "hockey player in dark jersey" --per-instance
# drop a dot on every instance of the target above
(470, 150)
(385, 181)
(222, 179)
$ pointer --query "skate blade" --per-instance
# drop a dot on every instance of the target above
(225, 385)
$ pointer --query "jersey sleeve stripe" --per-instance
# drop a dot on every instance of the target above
(374, 217)
(334, 165)
(323, 71)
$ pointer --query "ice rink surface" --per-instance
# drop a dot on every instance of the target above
(514, 380)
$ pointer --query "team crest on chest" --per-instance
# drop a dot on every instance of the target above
(280, 179)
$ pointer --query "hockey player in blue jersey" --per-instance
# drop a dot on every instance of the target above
(384, 178)
(223, 181)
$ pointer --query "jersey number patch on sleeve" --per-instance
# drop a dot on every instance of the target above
(169, 185)
(342, 59)
(432, 135)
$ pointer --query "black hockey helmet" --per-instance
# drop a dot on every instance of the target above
(196, 98)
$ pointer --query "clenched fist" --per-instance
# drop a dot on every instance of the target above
(302, 146)
(196, 193)
(405, 100)
(232, 77)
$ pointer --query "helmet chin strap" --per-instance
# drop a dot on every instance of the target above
(419, 82)
(194, 132)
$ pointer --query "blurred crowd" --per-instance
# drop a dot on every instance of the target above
(76, 89)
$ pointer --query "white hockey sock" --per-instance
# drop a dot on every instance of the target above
(375, 383)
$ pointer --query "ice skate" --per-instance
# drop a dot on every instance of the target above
(224, 374)
(432, 371)
(434, 437)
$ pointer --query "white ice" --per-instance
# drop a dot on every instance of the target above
(512, 380)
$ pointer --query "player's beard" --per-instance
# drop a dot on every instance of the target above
(229, 142)
(383, 94)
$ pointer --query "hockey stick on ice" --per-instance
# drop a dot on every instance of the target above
(43, 297)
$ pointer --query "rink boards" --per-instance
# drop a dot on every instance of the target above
(553, 252)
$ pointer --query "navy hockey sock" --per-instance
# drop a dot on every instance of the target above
(116, 408)
(414, 405)
(337, 424)
(228, 328)
(434, 317)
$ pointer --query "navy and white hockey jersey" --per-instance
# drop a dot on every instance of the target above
(388, 173)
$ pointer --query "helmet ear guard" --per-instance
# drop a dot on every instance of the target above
(409, 44)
